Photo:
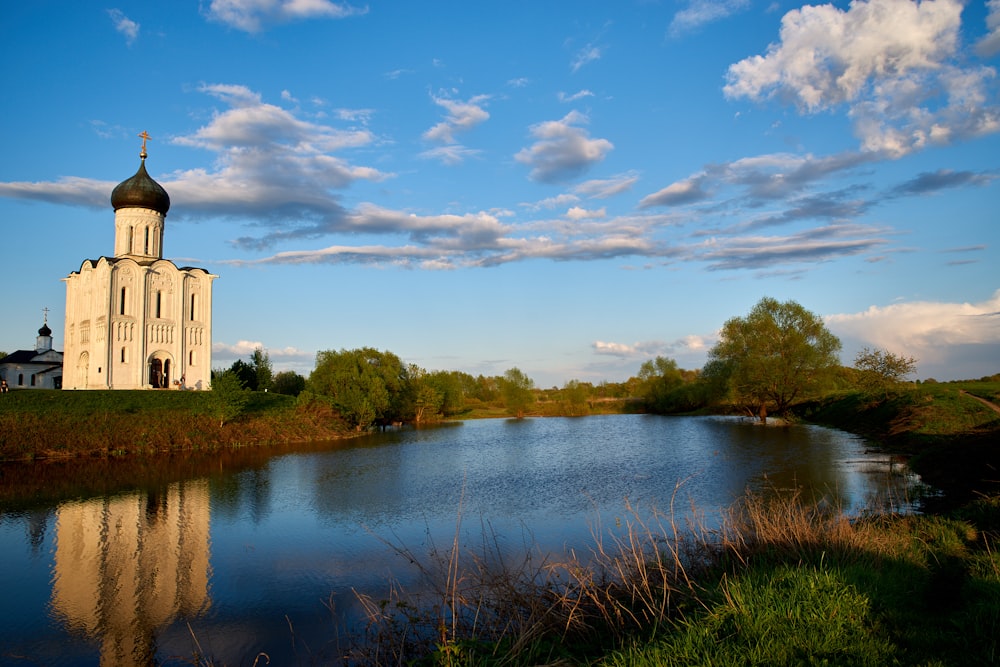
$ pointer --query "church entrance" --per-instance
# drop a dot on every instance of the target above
(159, 371)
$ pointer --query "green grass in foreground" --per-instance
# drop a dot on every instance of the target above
(780, 584)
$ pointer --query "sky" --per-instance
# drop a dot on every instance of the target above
(566, 187)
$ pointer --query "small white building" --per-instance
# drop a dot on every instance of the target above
(135, 320)
(40, 368)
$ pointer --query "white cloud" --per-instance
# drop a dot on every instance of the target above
(607, 187)
(563, 150)
(585, 56)
(578, 213)
(989, 45)
(244, 349)
(700, 12)
(124, 25)
(690, 346)
(252, 15)
(579, 95)
(461, 117)
(949, 340)
(895, 63)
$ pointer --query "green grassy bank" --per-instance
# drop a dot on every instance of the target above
(56, 424)
(948, 435)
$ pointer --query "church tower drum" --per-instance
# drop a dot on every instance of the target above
(135, 320)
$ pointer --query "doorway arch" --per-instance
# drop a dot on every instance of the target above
(160, 369)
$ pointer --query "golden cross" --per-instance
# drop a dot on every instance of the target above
(145, 136)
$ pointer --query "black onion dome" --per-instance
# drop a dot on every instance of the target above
(45, 330)
(140, 191)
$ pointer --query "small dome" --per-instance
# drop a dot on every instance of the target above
(45, 330)
(140, 191)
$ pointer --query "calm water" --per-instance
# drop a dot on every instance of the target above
(263, 555)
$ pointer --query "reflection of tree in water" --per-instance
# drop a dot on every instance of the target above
(246, 491)
(38, 521)
(127, 566)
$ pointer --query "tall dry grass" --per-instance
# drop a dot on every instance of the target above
(489, 606)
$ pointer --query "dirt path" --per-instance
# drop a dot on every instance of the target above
(992, 406)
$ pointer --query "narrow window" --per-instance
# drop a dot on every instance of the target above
(191, 358)
(159, 300)
(123, 355)
(192, 307)
(20, 379)
(121, 311)
(145, 242)
(131, 230)
(32, 379)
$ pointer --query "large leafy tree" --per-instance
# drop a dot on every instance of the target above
(365, 385)
(657, 379)
(778, 354)
(881, 370)
(516, 390)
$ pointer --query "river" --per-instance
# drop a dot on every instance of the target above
(228, 557)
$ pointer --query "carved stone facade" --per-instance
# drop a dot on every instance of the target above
(136, 320)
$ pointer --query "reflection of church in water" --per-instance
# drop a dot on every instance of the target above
(136, 320)
(127, 566)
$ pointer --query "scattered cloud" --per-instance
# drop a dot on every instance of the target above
(281, 357)
(989, 45)
(930, 182)
(701, 12)
(585, 56)
(607, 187)
(579, 95)
(815, 245)
(254, 15)
(649, 349)
(894, 63)
(563, 150)
(461, 117)
(124, 25)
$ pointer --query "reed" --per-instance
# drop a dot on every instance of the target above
(780, 581)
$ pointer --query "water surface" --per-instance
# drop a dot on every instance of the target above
(158, 560)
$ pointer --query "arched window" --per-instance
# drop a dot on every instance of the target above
(20, 379)
(32, 379)
(131, 231)
(145, 242)
(159, 302)
(192, 307)
(191, 358)
(121, 310)
(124, 355)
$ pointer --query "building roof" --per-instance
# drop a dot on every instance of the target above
(140, 191)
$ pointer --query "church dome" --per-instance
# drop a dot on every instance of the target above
(45, 330)
(140, 191)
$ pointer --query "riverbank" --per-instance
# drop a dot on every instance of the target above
(36, 425)
(949, 434)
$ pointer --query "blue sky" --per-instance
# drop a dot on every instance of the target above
(566, 187)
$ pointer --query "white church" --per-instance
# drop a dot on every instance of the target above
(136, 320)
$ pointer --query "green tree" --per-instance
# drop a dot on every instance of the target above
(451, 386)
(574, 395)
(288, 383)
(881, 370)
(516, 390)
(364, 385)
(778, 354)
(657, 379)
(228, 397)
(260, 361)
(246, 374)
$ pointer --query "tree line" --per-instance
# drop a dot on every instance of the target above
(763, 363)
